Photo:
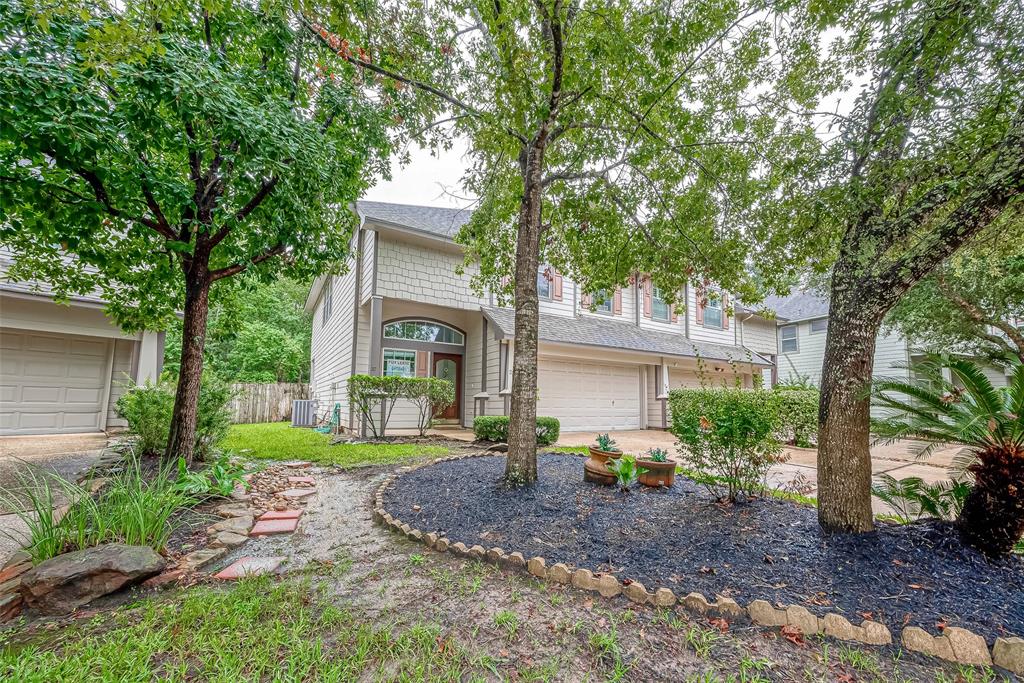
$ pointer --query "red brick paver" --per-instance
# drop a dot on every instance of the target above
(302, 480)
(267, 527)
(280, 514)
(249, 566)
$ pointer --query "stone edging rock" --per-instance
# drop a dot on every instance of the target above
(954, 644)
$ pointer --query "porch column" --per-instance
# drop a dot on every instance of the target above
(376, 334)
(663, 385)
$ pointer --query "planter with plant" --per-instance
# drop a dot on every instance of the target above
(626, 471)
(658, 469)
(596, 468)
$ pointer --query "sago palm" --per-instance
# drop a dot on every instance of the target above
(965, 408)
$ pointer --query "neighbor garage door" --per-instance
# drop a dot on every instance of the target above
(51, 383)
(588, 396)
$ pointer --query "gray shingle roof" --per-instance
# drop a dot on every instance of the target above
(799, 305)
(430, 219)
(38, 287)
(594, 331)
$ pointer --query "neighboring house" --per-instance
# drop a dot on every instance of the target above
(802, 329)
(401, 308)
(63, 366)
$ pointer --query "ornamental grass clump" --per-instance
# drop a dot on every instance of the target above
(128, 509)
(965, 408)
(727, 438)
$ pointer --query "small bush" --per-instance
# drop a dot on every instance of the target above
(495, 428)
(148, 409)
(430, 395)
(374, 396)
(798, 414)
(727, 436)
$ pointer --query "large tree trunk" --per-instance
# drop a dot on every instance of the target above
(521, 462)
(182, 440)
(844, 437)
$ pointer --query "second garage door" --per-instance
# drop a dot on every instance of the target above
(51, 383)
(589, 396)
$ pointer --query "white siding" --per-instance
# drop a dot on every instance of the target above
(120, 380)
(567, 306)
(418, 273)
(628, 307)
(708, 334)
(331, 343)
(759, 335)
(679, 326)
(806, 361)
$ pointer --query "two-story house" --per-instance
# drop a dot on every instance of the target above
(607, 360)
(803, 327)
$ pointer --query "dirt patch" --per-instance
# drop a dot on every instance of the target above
(682, 539)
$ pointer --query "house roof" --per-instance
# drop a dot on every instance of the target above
(437, 221)
(38, 287)
(799, 305)
(595, 331)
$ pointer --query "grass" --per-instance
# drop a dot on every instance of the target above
(582, 450)
(256, 630)
(281, 441)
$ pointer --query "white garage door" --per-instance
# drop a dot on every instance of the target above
(588, 396)
(51, 383)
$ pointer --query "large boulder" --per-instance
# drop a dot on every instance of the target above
(62, 583)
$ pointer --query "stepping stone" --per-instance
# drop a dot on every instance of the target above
(297, 494)
(280, 514)
(268, 527)
(297, 463)
(302, 480)
(249, 566)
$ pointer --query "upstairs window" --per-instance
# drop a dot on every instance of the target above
(819, 326)
(659, 307)
(424, 331)
(602, 301)
(713, 311)
(328, 297)
(544, 284)
(788, 340)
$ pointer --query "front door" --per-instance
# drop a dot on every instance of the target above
(448, 366)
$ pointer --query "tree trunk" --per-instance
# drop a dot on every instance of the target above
(521, 460)
(844, 455)
(182, 440)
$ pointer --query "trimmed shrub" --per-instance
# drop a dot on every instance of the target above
(798, 414)
(495, 428)
(374, 396)
(430, 396)
(147, 408)
(728, 437)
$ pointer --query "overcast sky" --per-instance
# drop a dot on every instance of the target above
(426, 180)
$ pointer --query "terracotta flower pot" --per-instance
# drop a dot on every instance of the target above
(658, 473)
(595, 469)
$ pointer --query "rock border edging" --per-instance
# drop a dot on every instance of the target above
(953, 644)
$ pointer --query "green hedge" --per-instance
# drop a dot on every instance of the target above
(374, 396)
(495, 428)
(798, 414)
(728, 436)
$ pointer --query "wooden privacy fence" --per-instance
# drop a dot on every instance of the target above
(265, 402)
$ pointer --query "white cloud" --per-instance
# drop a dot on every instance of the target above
(426, 180)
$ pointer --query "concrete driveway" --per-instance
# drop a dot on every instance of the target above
(66, 456)
(800, 473)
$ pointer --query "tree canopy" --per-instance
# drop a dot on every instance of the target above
(258, 333)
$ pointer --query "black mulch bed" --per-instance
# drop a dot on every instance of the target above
(682, 539)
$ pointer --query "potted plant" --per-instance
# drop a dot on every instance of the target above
(626, 471)
(595, 469)
(659, 470)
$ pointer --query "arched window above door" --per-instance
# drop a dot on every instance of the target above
(424, 331)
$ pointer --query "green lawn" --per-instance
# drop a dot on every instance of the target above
(281, 441)
(255, 630)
